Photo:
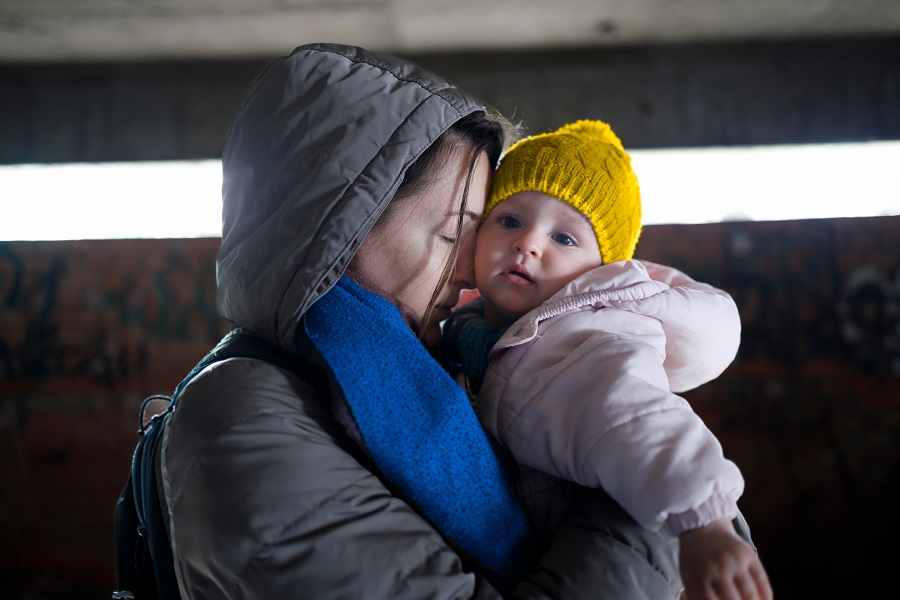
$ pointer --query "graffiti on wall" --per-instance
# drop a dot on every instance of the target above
(26, 335)
(65, 313)
(809, 410)
(869, 313)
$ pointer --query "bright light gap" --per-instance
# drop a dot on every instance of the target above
(702, 185)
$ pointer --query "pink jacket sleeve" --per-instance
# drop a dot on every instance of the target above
(589, 399)
(704, 340)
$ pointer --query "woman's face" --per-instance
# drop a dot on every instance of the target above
(405, 254)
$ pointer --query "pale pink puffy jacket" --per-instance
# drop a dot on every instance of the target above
(584, 388)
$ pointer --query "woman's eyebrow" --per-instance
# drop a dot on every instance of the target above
(473, 216)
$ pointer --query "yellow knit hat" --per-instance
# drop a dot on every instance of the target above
(585, 165)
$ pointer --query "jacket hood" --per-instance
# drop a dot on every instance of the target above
(317, 149)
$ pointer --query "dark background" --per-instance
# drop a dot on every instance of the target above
(810, 410)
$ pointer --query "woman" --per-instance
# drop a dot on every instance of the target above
(327, 484)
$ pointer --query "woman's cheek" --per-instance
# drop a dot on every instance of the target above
(440, 254)
(467, 251)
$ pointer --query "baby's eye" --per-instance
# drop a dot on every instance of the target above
(565, 239)
(509, 221)
(448, 238)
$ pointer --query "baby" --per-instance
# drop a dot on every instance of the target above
(575, 354)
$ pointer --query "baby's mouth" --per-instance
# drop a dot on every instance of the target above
(520, 274)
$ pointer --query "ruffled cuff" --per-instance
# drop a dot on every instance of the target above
(714, 509)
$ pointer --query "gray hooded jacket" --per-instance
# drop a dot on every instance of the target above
(267, 495)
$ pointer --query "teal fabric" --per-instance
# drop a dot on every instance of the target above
(468, 339)
(419, 428)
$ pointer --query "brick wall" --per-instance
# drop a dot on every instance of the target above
(810, 410)
(87, 329)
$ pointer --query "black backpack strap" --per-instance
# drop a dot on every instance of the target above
(153, 525)
(145, 566)
(239, 343)
(142, 549)
(134, 569)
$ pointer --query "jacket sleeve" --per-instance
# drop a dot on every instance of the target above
(599, 551)
(701, 323)
(597, 411)
(268, 498)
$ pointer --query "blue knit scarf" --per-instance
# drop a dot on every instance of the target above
(417, 425)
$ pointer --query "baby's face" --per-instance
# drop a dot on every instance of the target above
(529, 247)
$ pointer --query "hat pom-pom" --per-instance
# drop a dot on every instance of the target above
(598, 130)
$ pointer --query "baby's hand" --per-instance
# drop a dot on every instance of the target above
(716, 564)
(466, 296)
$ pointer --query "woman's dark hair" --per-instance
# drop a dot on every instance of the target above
(484, 132)
(478, 132)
